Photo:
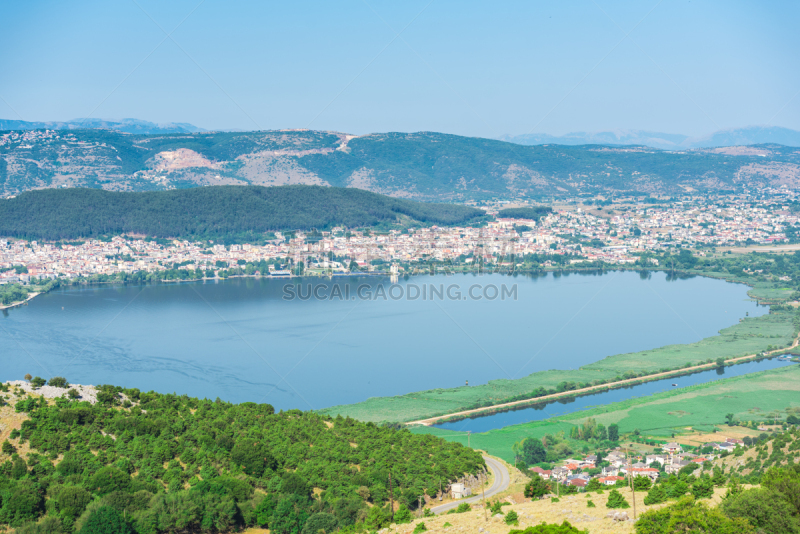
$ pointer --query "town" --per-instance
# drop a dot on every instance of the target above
(573, 233)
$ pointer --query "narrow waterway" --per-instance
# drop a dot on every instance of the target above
(575, 404)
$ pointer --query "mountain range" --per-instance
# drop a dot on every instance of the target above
(132, 126)
(751, 135)
(426, 166)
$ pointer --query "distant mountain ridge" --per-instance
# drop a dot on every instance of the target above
(427, 166)
(750, 135)
(132, 126)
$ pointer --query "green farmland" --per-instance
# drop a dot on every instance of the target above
(752, 397)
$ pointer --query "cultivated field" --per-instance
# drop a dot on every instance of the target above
(753, 397)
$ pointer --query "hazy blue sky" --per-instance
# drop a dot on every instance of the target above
(471, 68)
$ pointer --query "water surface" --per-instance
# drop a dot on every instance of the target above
(240, 341)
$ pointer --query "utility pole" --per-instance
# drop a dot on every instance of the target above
(630, 477)
(483, 498)
(391, 497)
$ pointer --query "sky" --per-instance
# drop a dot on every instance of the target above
(469, 68)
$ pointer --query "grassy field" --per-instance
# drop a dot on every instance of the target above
(750, 397)
(750, 336)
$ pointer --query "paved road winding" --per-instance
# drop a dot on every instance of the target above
(501, 481)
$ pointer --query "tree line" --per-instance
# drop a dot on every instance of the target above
(153, 463)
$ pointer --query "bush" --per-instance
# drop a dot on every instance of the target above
(590, 504)
(616, 500)
(403, 515)
(551, 528)
(8, 448)
(512, 518)
(38, 382)
(641, 483)
(764, 509)
(537, 488)
(688, 516)
(420, 528)
(58, 382)
(656, 495)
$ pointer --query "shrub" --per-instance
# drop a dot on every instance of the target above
(656, 495)
(73, 394)
(402, 515)
(641, 483)
(38, 382)
(537, 488)
(8, 448)
(764, 509)
(420, 528)
(512, 518)
(590, 504)
(554, 499)
(550, 528)
(616, 500)
(58, 382)
(688, 516)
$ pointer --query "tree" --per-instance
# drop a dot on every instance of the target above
(290, 516)
(321, 523)
(537, 488)
(613, 432)
(593, 485)
(533, 451)
(72, 501)
(58, 382)
(729, 419)
(765, 509)
(688, 516)
(106, 520)
(641, 483)
(108, 479)
(253, 456)
(264, 510)
(402, 515)
(25, 504)
(8, 448)
(656, 495)
(616, 500)
(28, 377)
(703, 488)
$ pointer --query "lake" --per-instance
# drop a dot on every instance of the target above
(242, 340)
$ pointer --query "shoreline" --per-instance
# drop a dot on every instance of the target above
(21, 302)
(457, 416)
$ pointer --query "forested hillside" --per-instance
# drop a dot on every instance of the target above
(210, 212)
(171, 464)
(424, 165)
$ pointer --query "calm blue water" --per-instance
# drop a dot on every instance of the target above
(240, 341)
(575, 404)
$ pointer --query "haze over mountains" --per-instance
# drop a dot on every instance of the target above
(133, 126)
(750, 135)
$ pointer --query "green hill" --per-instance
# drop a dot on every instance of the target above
(422, 165)
(173, 464)
(211, 212)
